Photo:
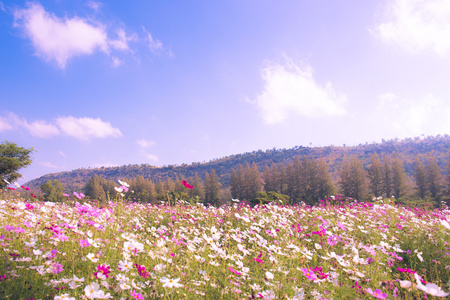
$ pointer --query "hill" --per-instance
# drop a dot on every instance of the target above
(407, 149)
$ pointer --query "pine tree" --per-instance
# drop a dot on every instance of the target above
(197, 190)
(447, 177)
(398, 178)
(420, 177)
(386, 176)
(212, 187)
(375, 175)
(94, 188)
(253, 181)
(53, 190)
(353, 179)
(325, 186)
(434, 177)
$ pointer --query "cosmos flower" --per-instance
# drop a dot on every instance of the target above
(170, 283)
(377, 293)
(187, 184)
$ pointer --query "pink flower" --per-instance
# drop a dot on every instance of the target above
(309, 274)
(141, 271)
(84, 243)
(136, 295)
(234, 271)
(57, 268)
(377, 293)
(187, 185)
(25, 188)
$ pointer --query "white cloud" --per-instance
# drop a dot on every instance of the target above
(61, 39)
(48, 164)
(417, 25)
(41, 128)
(116, 62)
(2, 6)
(145, 143)
(94, 5)
(290, 89)
(400, 117)
(154, 45)
(62, 154)
(151, 157)
(5, 125)
(86, 128)
(121, 43)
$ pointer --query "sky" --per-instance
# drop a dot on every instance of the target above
(91, 83)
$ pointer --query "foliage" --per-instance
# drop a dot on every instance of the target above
(265, 198)
(53, 190)
(12, 159)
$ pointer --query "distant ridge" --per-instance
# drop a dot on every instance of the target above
(407, 149)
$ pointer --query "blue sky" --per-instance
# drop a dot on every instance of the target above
(90, 83)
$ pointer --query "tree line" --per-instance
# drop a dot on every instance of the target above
(305, 180)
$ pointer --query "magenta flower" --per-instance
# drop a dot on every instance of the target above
(187, 184)
(309, 274)
(25, 188)
(136, 295)
(407, 271)
(103, 271)
(377, 293)
(57, 268)
(234, 271)
(141, 270)
(84, 243)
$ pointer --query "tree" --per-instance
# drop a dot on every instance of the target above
(253, 181)
(386, 176)
(353, 179)
(197, 190)
(212, 187)
(12, 159)
(420, 177)
(375, 175)
(53, 190)
(398, 178)
(94, 189)
(434, 177)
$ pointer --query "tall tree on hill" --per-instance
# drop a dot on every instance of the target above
(398, 178)
(212, 187)
(447, 177)
(197, 190)
(420, 177)
(94, 188)
(386, 176)
(325, 186)
(434, 177)
(53, 190)
(144, 190)
(282, 179)
(236, 188)
(253, 181)
(270, 181)
(353, 179)
(179, 187)
(375, 175)
(170, 185)
(160, 188)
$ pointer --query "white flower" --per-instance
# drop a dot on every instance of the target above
(64, 297)
(430, 288)
(445, 224)
(118, 189)
(170, 283)
(91, 256)
(125, 266)
(37, 252)
(317, 246)
(405, 284)
(91, 290)
(269, 275)
(159, 268)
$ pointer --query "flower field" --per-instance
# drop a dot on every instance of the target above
(125, 250)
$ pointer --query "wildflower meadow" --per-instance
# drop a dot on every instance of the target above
(340, 249)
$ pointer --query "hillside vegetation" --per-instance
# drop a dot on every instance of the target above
(407, 150)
